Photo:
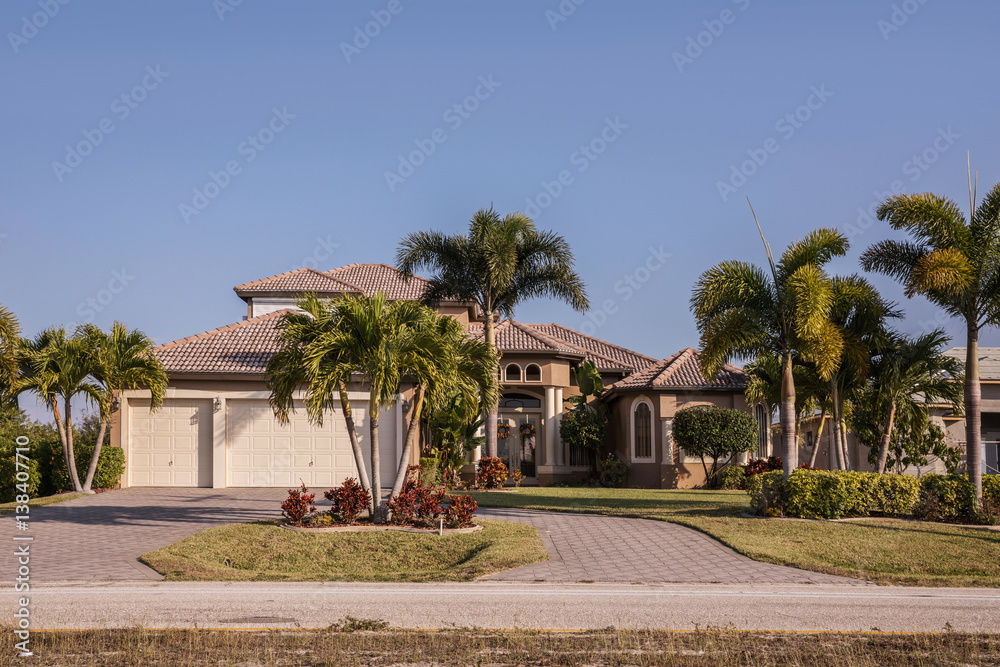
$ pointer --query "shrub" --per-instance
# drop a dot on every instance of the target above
(613, 471)
(518, 477)
(757, 466)
(349, 500)
(460, 511)
(298, 505)
(947, 497)
(8, 473)
(415, 505)
(991, 487)
(583, 428)
(430, 472)
(110, 466)
(491, 473)
(712, 433)
(767, 492)
(733, 478)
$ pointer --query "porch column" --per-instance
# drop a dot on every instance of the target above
(557, 417)
(550, 426)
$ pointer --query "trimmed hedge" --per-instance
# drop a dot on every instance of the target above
(8, 472)
(832, 494)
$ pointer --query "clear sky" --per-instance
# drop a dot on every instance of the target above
(155, 154)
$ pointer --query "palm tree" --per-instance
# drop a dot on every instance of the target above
(10, 336)
(860, 312)
(497, 265)
(741, 310)
(955, 263)
(55, 367)
(909, 375)
(123, 360)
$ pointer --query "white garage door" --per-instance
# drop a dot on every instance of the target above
(172, 446)
(263, 452)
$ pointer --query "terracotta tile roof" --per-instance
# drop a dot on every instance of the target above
(604, 354)
(513, 336)
(373, 278)
(682, 371)
(244, 347)
(300, 280)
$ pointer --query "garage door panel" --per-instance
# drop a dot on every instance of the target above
(172, 447)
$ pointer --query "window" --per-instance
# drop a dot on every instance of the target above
(520, 401)
(513, 373)
(532, 373)
(763, 431)
(642, 430)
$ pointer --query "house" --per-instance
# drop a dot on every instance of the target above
(943, 415)
(216, 427)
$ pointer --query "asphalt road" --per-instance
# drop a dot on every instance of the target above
(512, 605)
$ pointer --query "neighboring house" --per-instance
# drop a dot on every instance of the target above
(945, 416)
(216, 427)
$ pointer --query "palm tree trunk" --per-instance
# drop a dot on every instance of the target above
(92, 468)
(491, 410)
(373, 410)
(834, 458)
(973, 410)
(74, 477)
(359, 456)
(787, 417)
(844, 453)
(411, 435)
(61, 427)
(819, 438)
(883, 446)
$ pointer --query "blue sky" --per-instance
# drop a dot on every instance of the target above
(158, 153)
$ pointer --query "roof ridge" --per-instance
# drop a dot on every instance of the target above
(671, 364)
(306, 269)
(211, 332)
(548, 340)
(652, 360)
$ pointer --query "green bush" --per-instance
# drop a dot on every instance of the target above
(714, 434)
(430, 471)
(110, 467)
(832, 494)
(8, 472)
(991, 488)
(767, 492)
(947, 497)
(733, 478)
(613, 471)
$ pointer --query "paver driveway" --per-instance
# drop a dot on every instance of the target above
(100, 537)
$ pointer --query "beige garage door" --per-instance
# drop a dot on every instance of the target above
(172, 446)
(263, 452)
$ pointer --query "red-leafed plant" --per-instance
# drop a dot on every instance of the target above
(349, 500)
(758, 466)
(460, 512)
(299, 505)
(416, 505)
(491, 472)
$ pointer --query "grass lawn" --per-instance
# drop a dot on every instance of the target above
(264, 552)
(8, 508)
(458, 648)
(886, 551)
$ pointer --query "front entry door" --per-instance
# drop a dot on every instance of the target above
(519, 447)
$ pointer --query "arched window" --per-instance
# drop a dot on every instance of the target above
(763, 431)
(532, 373)
(512, 401)
(513, 373)
(642, 430)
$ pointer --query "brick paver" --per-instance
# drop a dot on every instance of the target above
(100, 537)
(588, 547)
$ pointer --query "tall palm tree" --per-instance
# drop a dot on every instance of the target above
(55, 367)
(10, 336)
(497, 265)
(955, 263)
(860, 312)
(908, 376)
(741, 310)
(123, 360)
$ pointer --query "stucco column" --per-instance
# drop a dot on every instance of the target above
(550, 426)
(558, 444)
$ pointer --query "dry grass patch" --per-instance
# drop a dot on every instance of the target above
(8, 508)
(265, 552)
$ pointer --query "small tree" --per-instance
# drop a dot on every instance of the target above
(714, 433)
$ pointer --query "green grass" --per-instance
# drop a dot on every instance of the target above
(264, 552)
(459, 648)
(8, 508)
(885, 551)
